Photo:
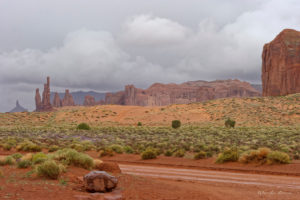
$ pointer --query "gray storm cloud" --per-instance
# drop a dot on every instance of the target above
(149, 48)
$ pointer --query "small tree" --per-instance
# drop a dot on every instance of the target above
(229, 123)
(139, 124)
(83, 126)
(176, 123)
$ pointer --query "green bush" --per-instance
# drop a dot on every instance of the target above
(72, 157)
(49, 169)
(148, 154)
(200, 155)
(77, 147)
(277, 157)
(229, 123)
(29, 147)
(53, 148)
(106, 152)
(39, 158)
(24, 164)
(139, 124)
(7, 160)
(83, 126)
(168, 153)
(229, 155)
(179, 153)
(7, 146)
(117, 148)
(176, 123)
(128, 149)
(17, 156)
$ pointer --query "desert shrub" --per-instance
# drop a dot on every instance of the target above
(148, 154)
(39, 158)
(28, 146)
(77, 147)
(117, 148)
(277, 157)
(88, 145)
(53, 148)
(200, 155)
(1, 174)
(209, 154)
(7, 146)
(27, 156)
(106, 152)
(168, 153)
(176, 123)
(7, 160)
(97, 163)
(83, 126)
(139, 124)
(128, 149)
(228, 155)
(72, 157)
(179, 153)
(297, 156)
(24, 164)
(49, 169)
(255, 156)
(229, 123)
(17, 156)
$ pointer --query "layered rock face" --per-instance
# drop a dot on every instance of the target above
(281, 64)
(193, 91)
(57, 101)
(44, 104)
(68, 99)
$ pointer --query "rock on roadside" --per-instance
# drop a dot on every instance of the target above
(99, 181)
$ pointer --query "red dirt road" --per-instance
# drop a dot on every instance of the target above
(204, 184)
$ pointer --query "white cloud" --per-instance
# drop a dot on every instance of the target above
(146, 30)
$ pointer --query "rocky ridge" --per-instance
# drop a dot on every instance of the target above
(193, 91)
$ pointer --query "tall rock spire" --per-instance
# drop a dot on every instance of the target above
(44, 104)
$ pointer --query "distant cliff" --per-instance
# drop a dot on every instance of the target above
(193, 91)
(18, 108)
(79, 96)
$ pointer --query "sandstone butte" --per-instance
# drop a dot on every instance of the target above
(188, 92)
(281, 64)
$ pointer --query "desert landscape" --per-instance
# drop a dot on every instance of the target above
(154, 111)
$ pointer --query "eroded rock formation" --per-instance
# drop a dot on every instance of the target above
(89, 101)
(68, 99)
(44, 104)
(18, 108)
(193, 91)
(281, 64)
(56, 101)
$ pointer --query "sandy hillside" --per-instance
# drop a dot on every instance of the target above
(269, 111)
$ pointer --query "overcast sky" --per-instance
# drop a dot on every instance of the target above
(103, 45)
